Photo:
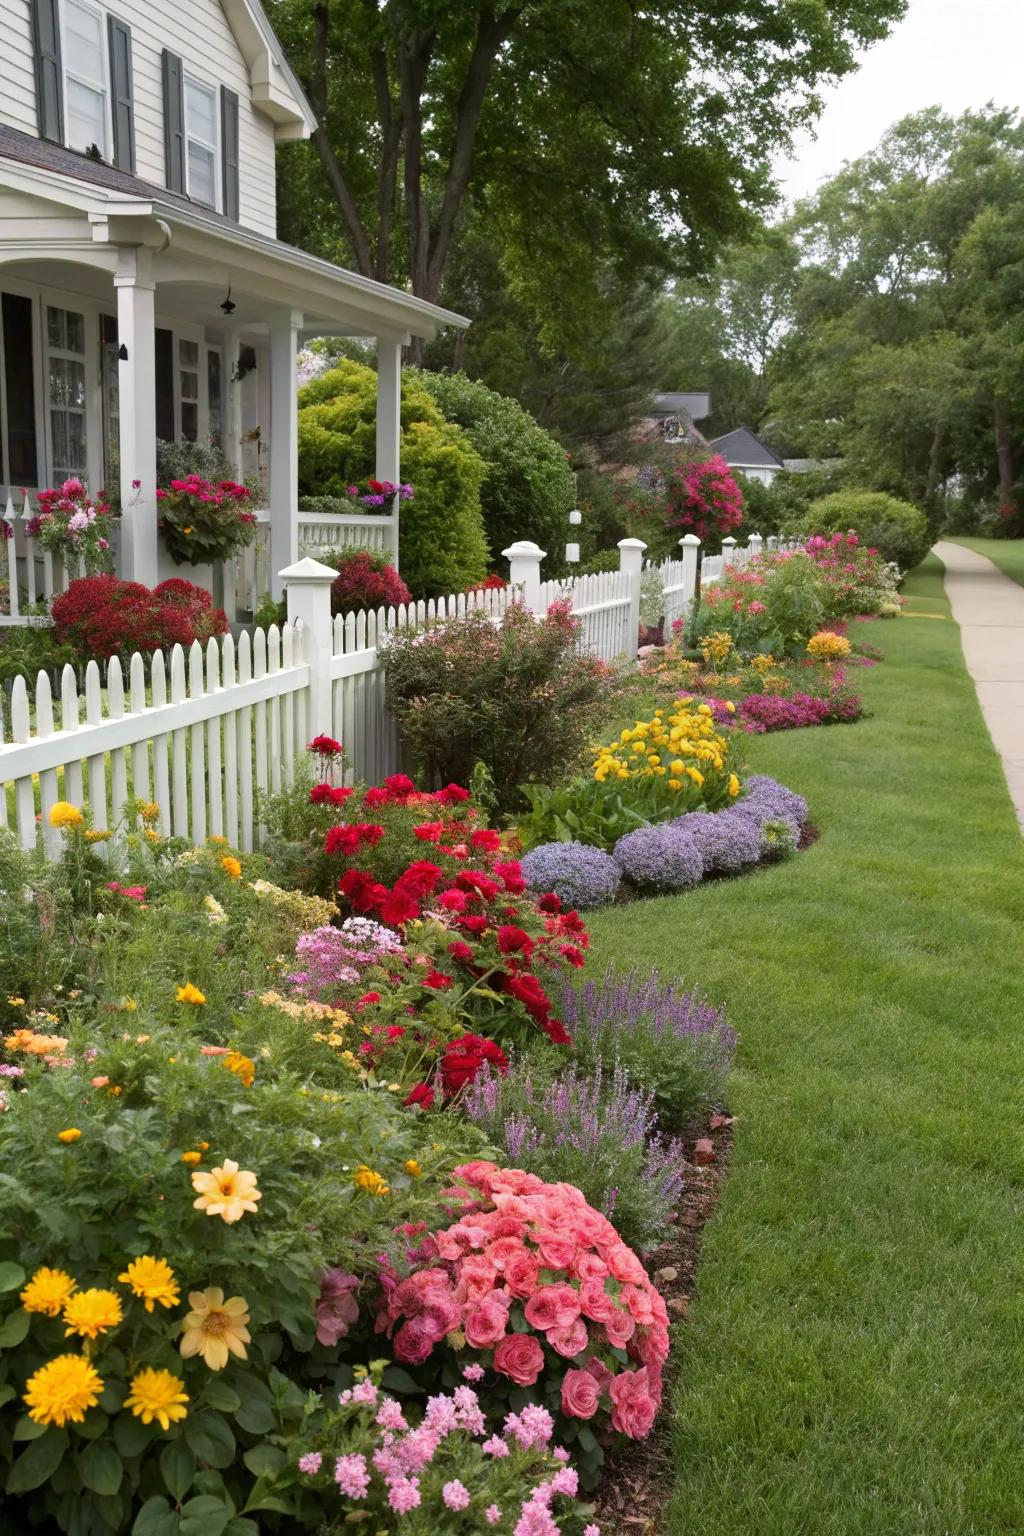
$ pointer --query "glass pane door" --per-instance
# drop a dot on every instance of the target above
(66, 394)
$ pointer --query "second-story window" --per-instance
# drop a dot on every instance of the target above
(202, 131)
(86, 82)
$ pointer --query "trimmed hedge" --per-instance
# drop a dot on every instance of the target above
(898, 529)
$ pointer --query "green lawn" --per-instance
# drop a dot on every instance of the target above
(1008, 554)
(854, 1362)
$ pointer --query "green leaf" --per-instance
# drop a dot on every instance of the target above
(93, 1425)
(14, 1329)
(395, 1379)
(239, 1526)
(257, 1413)
(211, 1439)
(6, 1393)
(131, 1436)
(28, 1429)
(217, 1394)
(12, 1276)
(265, 1460)
(204, 1516)
(100, 1468)
(37, 1462)
(586, 1438)
(156, 1518)
(178, 1468)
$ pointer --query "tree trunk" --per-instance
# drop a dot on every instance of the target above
(934, 461)
(1004, 455)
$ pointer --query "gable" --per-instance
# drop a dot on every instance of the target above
(276, 91)
(743, 447)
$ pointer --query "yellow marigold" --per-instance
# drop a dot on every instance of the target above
(16, 1002)
(826, 645)
(61, 1391)
(190, 994)
(72, 1133)
(64, 814)
(98, 835)
(149, 810)
(34, 1044)
(231, 866)
(90, 1313)
(214, 1327)
(373, 1183)
(152, 1280)
(47, 1291)
(191, 1158)
(227, 1192)
(242, 1066)
(411, 1165)
(157, 1395)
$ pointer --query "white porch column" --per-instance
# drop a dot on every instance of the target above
(136, 382)
(389, 422)
(232, 398)
(284, 445)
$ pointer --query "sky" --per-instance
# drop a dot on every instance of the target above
(954, 53)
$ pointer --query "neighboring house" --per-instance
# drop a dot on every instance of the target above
(743, 450)
(677, 413)
(143, 292)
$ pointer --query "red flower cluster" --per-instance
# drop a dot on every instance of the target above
(325, 746)
(329, 794)
(365, 580)
(528, 1253)
(463, 1058)
(348, 839)
(491, 583)
(101, 615)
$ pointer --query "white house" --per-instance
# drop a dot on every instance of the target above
(143, 291)
(743, 450)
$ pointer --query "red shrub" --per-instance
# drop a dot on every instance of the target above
(365, 580)
(101, 615)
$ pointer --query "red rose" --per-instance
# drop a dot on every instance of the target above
(451, 794)
(397, 907)
(399, 784)
(520, 1358)
(363, 892)
(473, 924)
(572, 955)
(429, 831)
(325, 746)
(580, 1396)
(375, 797)
(557, 1032)
(423, 1095)
(452, 901)
(344, 840)
(486, 839)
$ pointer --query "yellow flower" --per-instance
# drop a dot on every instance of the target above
(157, 1395)
(215, 912)
(71, 1134)
(242, 1066)
(47, 1291)
(90, 1313)
(153, 1280)
(149, 810)
(412, 1166)
(214, 1327)
(826, 646)
(231, 867)
(227, 1192)
(191, 1158)
(62, 1390)
(204, 1146)
(734, 784)
(373, 1183)
(98, 835)
(190, 994)
(64, 814)
(730, 706)
(16, 1002)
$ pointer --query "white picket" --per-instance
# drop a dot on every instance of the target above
(230, 747)
(118, 758)
(244, 730)
(213, 758)
(179, 743)
(140, 751)
(161, 743)
(95, 764)
(197, 778)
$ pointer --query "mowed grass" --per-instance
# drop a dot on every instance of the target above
(854, 1360)
(1008, 554)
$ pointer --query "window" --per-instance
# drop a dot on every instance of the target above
(215, 392)
(202, 134)
(86, 84)
(66, 393)
(17, 393)
(188, 381)
(109, 386)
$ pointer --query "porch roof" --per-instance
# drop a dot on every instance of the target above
(124, 209)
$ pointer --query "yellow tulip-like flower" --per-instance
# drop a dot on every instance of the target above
(243, 1067)
(827, 646)
(61, 1391)
(152, 1280)
(734, 785)
(373, 1183)
(215, 1327)
(190, 994)
(90, 1313)
(64, 814)
(730, 706)
(412, 1167)
(231, 867)
(149, 810)
(158, 1395)
(47, 1291)
(227, 1192)
(72, 1133)
(191, 1158)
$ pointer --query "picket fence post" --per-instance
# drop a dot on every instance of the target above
(690, 545)
(631, 565)
(728, 552)
(524, 560)
(307, 586)
(755, 545)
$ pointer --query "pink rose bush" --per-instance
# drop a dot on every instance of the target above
(545, 1294)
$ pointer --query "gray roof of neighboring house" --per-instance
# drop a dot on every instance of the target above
(743, 447)
(694, 404)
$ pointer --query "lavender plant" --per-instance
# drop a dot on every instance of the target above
(727, 842)
(579, 875)
(661, 858)
(671, 1042)
(594, 1129)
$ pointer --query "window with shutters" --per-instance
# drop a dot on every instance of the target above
(202, 142)
(86, 78)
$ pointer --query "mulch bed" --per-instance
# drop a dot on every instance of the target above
(638, 1479)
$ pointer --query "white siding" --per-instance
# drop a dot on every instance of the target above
(198, 31)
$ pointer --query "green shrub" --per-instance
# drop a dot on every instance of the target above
(442, 544)
(897, 529)
(176, 461)
(528, 490)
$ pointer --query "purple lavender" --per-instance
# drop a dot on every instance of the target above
(579, 875)
(660, 858)
(775, 799)
(727, 842)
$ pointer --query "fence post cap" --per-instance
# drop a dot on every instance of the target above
(631, 544)
(730, 541)
(690, 539)
(524, 549)
(307, 570)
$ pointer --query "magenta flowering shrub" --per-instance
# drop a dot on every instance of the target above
(537, 1287)
(445, 1472)
(73, 524)
(762, 712)
(330, 958)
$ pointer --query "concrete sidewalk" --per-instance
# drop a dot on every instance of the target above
(989, 609)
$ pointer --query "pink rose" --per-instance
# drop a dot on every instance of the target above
(520, 1358)
(580, 1394)
(556, 1252)
(500, 1252)
(639, 1303)
(570, 1341)
(601, 1374)
(412, 1344)
(485, 1323)
(589, 1266)
(619, 1327)
(542, 1309)
(521, 1274)
(633, 1408)
(476, 1279)
(625, 1265)
(595, 1302)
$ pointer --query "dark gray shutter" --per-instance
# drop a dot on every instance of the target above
(229, 149)
(122, 103)
(174, 121)
(49, 75)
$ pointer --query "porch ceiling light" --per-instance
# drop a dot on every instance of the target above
(229, 306)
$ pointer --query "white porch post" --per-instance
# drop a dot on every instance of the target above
(389, 421)
(136, 379)
(284, 445)
(232, 398)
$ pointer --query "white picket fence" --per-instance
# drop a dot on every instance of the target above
(204, 735)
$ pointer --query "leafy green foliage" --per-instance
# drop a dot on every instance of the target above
(898, 530)
(582, 810)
